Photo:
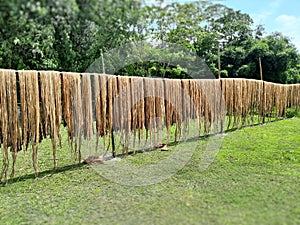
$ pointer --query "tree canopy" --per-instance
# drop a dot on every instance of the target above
(69, 35)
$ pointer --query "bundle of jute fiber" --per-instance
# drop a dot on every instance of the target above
(177, 100)
(103, 110)
(134, 88)
(173, 106)
(252, 99)
(13, 120)
(269, 92)
(30, 110)
(258, 100)
(9, 120)
(58, 103)
(46, 103)
(117, 107)
(100, 99)
(195, 92)
(266, 99)
(244, 106)
(229, 99)
(4, 123)
(298, 97)
(168, 106)
(199, 103)
(159, 108)
(76, 111)
(238, 101)
(191, 107)
(288, 95)
(280, 100)
(188, 98)
(72, 110)
(272, 107)
(112, 90)
(150, 123)
(87, 108)
(115, 103)
(295, 92)
(138, 108)
(223, 107)
(203, 101)
(246, 98)
(51, 107)
(123, 100)
(277, 104)
(295, 95)
(222, 104)
(67, 106)
(285, 100)
(97, 107)
(220, 109)
(210, 103)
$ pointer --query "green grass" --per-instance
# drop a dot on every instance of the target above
(255, 179)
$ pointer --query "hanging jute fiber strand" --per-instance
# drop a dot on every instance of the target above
(126, 112)
(30, 110)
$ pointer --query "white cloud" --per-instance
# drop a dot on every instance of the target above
(288, 21)
(259, 18)
(290, 26)
(264, 14)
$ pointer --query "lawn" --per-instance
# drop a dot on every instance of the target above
(254, 179)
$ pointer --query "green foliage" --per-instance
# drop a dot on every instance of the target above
(204, 27)
(62, 35)
(70, 35)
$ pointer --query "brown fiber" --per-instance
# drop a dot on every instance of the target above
(33, 105)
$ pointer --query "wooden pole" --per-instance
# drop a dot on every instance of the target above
(260, 69)
(103, 66)
(113, 144)
(219, 62)
(264, 97)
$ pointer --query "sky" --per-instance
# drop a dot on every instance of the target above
(274, 15)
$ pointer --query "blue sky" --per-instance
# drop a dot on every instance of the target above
(275, 15)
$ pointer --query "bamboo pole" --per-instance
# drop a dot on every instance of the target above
(219, 62)
(260, 69)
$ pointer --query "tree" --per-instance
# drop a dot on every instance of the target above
(62, 35)
(232, 26)
(69, 35)
(25, 43)
(279, 59)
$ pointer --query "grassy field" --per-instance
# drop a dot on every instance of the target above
(255, 179)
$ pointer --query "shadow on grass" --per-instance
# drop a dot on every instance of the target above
(43, 174)
(48, 173)
(198, 138)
